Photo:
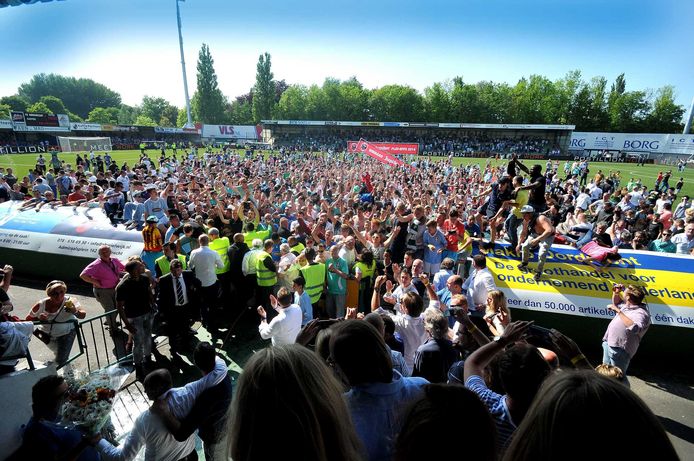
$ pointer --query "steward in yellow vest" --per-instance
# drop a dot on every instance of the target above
(314, 274)
(161, 264)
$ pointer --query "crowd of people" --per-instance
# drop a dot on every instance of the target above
(382, 321)
(459, 144)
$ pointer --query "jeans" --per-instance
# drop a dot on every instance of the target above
(62, 346)
(616, 356)
(142, 339)
(585, 239)
(209, 303)
(335, 305)
(544, 246)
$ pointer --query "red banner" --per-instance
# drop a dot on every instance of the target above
(393, 148)
(372, 151)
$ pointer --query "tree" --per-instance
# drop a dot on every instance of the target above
(666, 115)
(79, 95)
(240, 111)
(264, 89)
(396, 103)
(15, 102)
(293, 103)
(104, 115)
(280, 87)
(209, 102)
(437, 103)
(54, 104)
(5, 111)
(181, 117)
(127, 114)
(355, 100)
(143, 120)
(158, 108)
(39, 108)
(628, 111)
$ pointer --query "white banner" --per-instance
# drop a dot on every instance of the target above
(634, 142)
(230, 132)
(76, 126)
(5, 124)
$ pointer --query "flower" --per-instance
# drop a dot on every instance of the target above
(89, 401)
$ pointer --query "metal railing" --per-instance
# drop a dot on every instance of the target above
(97, 347)
(101, 348)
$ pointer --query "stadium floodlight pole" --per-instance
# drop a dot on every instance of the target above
(688, 124)
(183, 66)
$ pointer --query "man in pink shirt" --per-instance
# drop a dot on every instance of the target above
(104, 273)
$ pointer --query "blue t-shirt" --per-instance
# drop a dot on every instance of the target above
(303, 300)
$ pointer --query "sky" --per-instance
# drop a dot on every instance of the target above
(132, 45)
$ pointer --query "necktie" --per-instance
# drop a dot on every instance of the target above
(179, 292)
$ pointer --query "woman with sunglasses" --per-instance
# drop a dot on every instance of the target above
(58, 310)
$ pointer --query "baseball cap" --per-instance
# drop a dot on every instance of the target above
(527, 209)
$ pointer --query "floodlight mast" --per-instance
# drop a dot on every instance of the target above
(183, 67)
(688, 124)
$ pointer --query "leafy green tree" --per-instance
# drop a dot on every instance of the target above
(39, 108)
(106, 115)
(127, 114)
(157, 108)
(143, 120)
(54, 104)
(79, 95)
(240, 112)
(4, 111)
(292, 104)
(209, 101)
(354, 99)
(628, 111)
(666, 115)
(264, 89)
(397, 103)
(181, 117)
(437, 103)
(15, 102)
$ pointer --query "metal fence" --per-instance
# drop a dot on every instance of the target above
(96, 347)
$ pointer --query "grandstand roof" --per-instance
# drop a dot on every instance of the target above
(492, 126)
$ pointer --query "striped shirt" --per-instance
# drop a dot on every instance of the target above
(496, 404)
(152, 237)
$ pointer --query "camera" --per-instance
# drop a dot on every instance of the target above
(246, 206)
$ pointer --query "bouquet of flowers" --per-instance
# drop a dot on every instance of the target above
(90, 399)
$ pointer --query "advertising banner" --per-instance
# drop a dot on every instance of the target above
(67, 231)
(78, 126)
(5, 124)
(393, 148)
(230, 132)
(374, 152)
(570, 286)
(32, 149)
(39, 122)
(634, 142)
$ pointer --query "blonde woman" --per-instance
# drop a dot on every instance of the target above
(497, 314)
(58, 309)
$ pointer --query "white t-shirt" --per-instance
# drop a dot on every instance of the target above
(683, 244)
(284, 328)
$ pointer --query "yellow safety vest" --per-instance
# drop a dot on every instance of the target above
(314, 274)
(298, 248)
(165, 265)
(248, 237)
(221, 245)
(265, 277)
(366, 271)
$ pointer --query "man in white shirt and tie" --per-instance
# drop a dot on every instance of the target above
(204, 261)
(178, 303)
(480, 282)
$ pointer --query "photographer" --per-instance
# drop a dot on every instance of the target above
(629, 325)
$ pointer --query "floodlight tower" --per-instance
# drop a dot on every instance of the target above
(189, 124)
(688, 123)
